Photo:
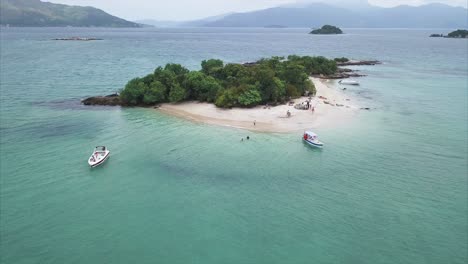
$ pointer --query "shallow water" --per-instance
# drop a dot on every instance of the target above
(389, 187)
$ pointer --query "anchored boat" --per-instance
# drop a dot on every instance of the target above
(99, 156)
(311, 138)
(348, 82)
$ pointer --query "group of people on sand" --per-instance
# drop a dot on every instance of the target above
(309, 105)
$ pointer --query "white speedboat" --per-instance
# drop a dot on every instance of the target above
(99, 156)
(311, 138)
(348, 82)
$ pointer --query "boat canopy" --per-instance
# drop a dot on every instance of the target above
(310, 134)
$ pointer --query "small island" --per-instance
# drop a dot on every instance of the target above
(460, 33)
(327, 30)
(269, 81)
(269, 95)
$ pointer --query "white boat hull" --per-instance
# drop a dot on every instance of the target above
(348, 82)
(316, 144)
(98, 158)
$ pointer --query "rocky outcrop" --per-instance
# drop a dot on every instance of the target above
(112, 100)
(358, 63)
(343, 73)
(340, 75)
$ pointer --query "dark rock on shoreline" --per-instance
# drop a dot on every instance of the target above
(359, 63)
(112, 100)
(340, 75)
(338, 63)
(343, 73)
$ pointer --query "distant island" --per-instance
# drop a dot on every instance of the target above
(34, 13)
(327, 30)
(77, 39)
(460, 33)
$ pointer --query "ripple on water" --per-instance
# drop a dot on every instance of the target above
(72, 104)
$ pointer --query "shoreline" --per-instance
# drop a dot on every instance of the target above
(335, 110)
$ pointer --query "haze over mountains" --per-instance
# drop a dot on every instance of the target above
(346, 14)
(192, 23)
(317, 14)
(350, 14)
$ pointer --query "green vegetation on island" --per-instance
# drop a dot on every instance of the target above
(327, 30)
(461, 33)
(273, 80)
(35, 13)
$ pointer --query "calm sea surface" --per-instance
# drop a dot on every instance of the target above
(389, 187)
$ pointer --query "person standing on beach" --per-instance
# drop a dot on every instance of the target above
(255, 122)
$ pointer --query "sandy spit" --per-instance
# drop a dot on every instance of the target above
(335, 110)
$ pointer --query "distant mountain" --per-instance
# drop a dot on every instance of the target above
(203, 21)
(312, 15)
(426, 16)
(348, 4)
(191, 23)
(159, 23)
(317, 14)
(34, 13)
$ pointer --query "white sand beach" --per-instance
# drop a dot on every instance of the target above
(340, 109)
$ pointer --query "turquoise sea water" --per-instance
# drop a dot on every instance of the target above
(389, 187)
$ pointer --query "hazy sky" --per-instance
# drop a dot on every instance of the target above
(194, 9)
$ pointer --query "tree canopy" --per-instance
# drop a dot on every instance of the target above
(269, 80)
